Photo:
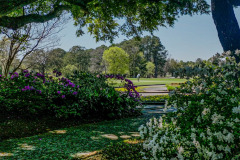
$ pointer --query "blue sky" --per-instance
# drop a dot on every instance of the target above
(190, 38)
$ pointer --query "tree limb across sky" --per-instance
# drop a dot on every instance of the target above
(101, 16)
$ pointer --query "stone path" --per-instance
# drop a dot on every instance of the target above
(155, 88)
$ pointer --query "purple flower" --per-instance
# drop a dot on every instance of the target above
(63, 96)
(15, 74)
(25, 71)
(27, 87)
(74, 93)
(27, 75)
(71, 84)
(59, 92)
(40, 92)
(78, 86)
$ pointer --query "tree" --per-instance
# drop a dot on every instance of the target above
(38, 60)
(56, 59)
(43, 60)
(22, 42)
(226, 23)
(69, 69)
(82, 57)
(171, 66)
(117, 60)
(79, 57)
(136, 59)
(96, 59)
(154, 52)
(101, 16)
(150, 69)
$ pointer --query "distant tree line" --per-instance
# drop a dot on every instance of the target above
(146, 56)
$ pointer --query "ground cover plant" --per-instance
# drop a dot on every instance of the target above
(206, 123)
(71, 142)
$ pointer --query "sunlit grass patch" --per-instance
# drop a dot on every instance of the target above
(133, 141)
(58, 131)
(125, 136)
(135, 134)
(110, 136)
(6, 154)
(27, 147)
(84, 155)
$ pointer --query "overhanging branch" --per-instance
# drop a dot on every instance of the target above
(235, 2)
(17, 22)
(8, 6)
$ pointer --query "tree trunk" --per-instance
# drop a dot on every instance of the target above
(227, 27)
(226, 24)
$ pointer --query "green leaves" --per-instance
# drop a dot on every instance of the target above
(102, 17)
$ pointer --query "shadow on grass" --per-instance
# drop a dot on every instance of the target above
(70, 142)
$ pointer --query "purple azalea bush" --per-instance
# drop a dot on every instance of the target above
(83, 95)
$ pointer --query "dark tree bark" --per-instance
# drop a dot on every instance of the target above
(227, 26)
(226, 23)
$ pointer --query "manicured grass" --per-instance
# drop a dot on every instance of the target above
(65, 143)
(150, 81)
(138, 89)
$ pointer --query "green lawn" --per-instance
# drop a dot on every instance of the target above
(149, 81)
(66, 143)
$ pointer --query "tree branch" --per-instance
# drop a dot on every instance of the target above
(235, 2)
(17, 22)
(8, 6)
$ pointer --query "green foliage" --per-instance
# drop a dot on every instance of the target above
(82, 95)
(158, 98)
(171, 88)
(206, 123)
(69, 69)
(117, 60)
(150, 69)
(123, 151)
(101, 16)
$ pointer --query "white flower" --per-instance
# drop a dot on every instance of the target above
(196, 143)
(205, 111)
(218, 98)
(229, 138)
(216, 118)
(227, 149)
(236, 120)
(236, 109)
(199, 119)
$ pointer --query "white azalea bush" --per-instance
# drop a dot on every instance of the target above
(206, 124)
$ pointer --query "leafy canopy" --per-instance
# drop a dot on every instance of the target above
(101, 16)
(116, 60)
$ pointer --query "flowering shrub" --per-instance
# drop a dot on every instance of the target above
(206, 124)
(128, 85)
(83, 95)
